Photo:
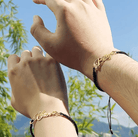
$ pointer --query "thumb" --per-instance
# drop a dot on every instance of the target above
(41, 34)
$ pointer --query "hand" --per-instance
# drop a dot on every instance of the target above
(82, 34)
(37, 83)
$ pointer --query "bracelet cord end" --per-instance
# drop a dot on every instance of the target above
(97, 67)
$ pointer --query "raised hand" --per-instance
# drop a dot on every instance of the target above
(82, 34)
(37, 83)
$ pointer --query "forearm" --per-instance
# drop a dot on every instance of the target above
(119, 78)
(55, 126)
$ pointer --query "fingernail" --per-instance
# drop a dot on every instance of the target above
(40, 49)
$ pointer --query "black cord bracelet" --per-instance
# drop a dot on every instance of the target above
(31, 127)
(69, 118)
(60, 114)
(95, 72)
(97, 85)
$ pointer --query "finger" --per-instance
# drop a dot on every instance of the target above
(53, 5)
(39, 1)
(41, 34)
(26, 55)
(37, 52)
(12, 61)
(99, 4)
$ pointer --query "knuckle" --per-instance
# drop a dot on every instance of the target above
(65, 8)
(40, 60)
(12, 72)
(11, 56)
(62, 7)
(27, 61)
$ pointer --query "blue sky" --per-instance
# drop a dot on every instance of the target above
(123, 20)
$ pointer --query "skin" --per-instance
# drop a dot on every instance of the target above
(82, 35)
(78, 40)
(40, 82)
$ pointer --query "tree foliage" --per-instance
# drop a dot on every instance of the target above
(84, 102)
(133, 134)
(83, 99)
(12, 38)
(27, 133)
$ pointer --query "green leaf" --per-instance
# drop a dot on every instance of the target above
(13, 37)
(90, 121)
(113, 106)
(84, 102)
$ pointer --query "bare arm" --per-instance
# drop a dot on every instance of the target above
(38, 85)
(83, 35)
(119, 78)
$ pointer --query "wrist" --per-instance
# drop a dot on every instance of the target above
(110, 74)
(113, 72)
(119, 78)
(49, 104)
(54, 126)
(88, 67)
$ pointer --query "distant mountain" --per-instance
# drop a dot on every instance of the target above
(117, 129)
(22, 123)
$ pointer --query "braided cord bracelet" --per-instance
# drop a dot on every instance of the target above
(96, 67)
(43, 114)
